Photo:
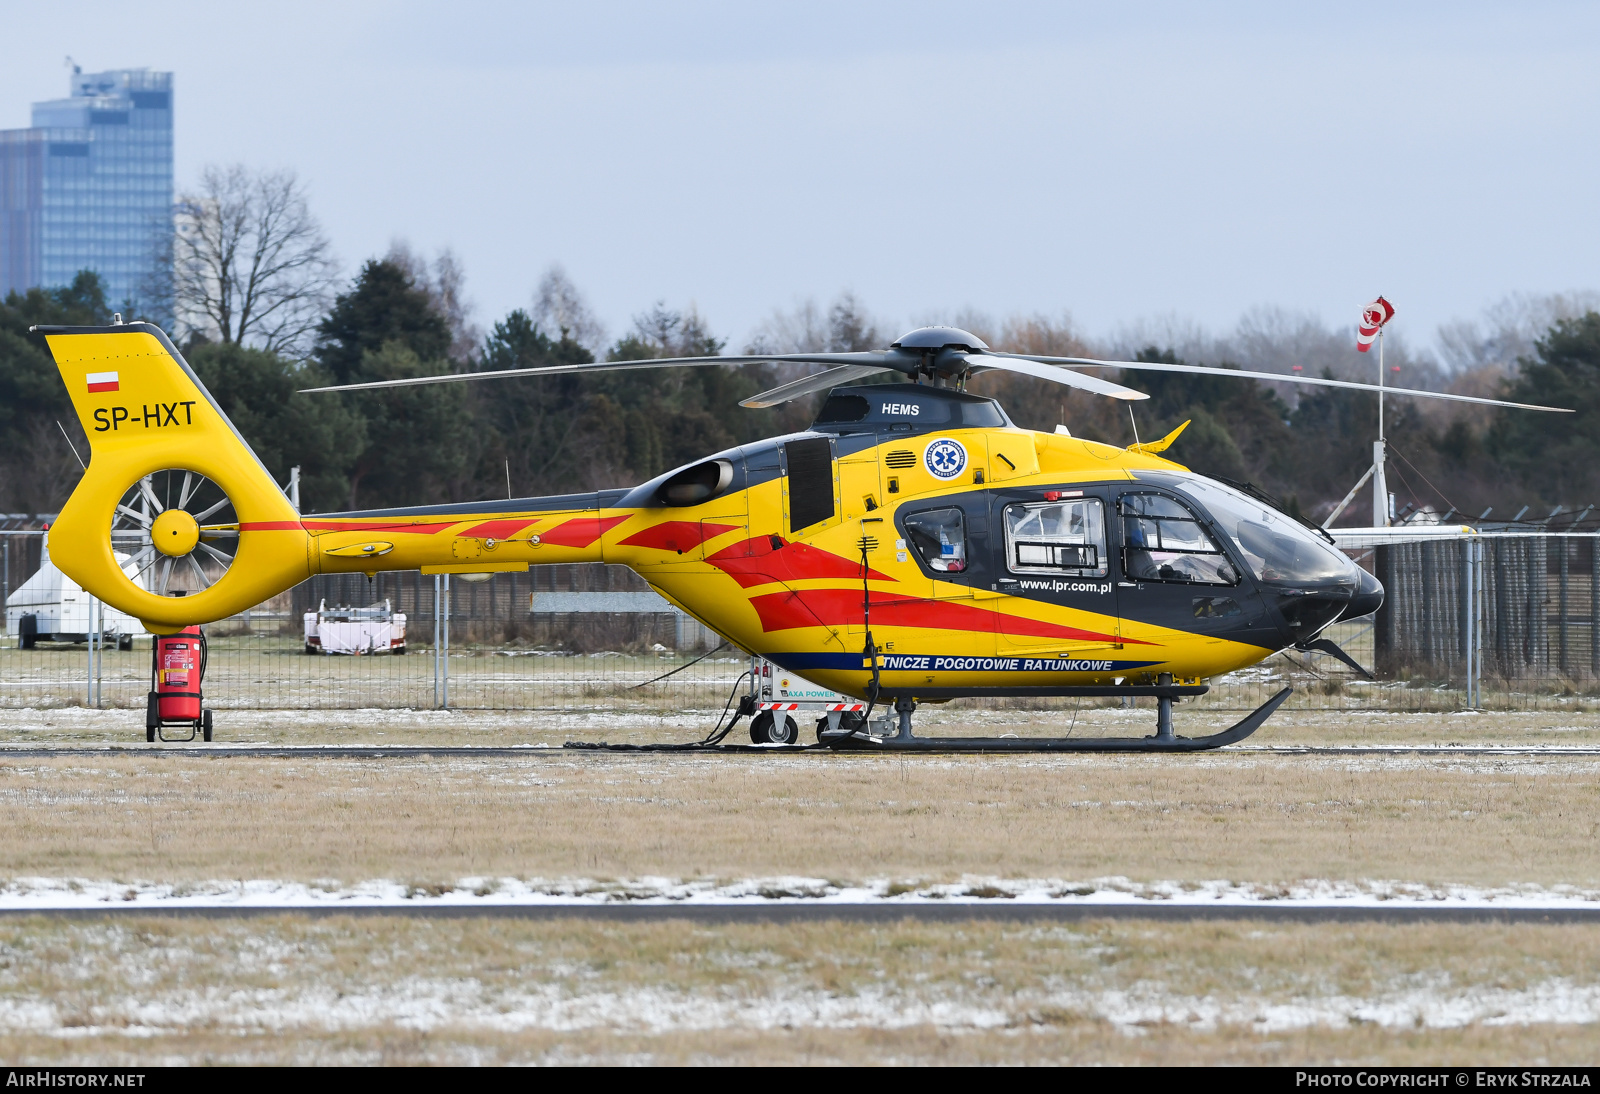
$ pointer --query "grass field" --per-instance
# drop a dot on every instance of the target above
(388, 990)
(384, 989)
(79, 725)
(1485, 820)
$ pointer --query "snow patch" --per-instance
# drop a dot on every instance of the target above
(59, 894)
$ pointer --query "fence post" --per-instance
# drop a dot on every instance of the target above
(436, 703)
(1566, 667)
(1502, 604)
(1594, 605)
(1467, 614)
(1538, 601)
(1383, 624)
(99, 650)
(1425, 552)
(444, 637)
(1474, 614)
(88, 645)
(1464, 613)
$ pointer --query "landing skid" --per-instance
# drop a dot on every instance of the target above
(1160, 742)
(1164, 739)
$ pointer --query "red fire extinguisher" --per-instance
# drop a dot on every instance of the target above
(178, 664)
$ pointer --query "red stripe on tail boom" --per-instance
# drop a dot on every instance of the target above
(580, 531)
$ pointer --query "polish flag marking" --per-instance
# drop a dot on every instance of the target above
(102, 381)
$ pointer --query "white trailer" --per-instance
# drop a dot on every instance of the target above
(377, 628)
(51, 607)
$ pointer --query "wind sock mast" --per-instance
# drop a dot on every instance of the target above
(1380, 481)
(1373, 318)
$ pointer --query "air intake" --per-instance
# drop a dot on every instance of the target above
(900, 458)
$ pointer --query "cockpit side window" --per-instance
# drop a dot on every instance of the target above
(1057, 537)
(939, 536)
(1273, 545)
(1163, 541)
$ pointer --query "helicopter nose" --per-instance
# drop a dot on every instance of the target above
(1368, 597)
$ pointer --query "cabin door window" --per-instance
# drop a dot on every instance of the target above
(1063, 538)
(939, 536)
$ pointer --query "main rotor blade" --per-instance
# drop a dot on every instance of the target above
(822, 381)
(1278, 377)
(874, 358)
(1028, 367)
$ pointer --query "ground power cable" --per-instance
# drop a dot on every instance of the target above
(709, 742)
(716, 736)
(870, 650)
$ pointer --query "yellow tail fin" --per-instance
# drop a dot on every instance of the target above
(146, 412)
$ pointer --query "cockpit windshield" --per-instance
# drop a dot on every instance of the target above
(1277, 548)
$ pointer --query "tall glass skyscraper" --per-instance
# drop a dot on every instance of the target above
(89, 186)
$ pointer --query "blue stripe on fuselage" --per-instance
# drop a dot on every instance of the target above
(800, 663)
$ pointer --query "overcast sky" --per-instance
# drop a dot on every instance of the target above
(1119, 163)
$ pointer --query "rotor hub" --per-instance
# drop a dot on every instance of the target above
(175, 532)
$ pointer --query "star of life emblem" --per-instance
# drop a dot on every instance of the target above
(945, 459)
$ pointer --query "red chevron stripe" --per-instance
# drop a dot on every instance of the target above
(580, 531)
(677, 535)
(497, 529)
(755, 562)
(835, 607)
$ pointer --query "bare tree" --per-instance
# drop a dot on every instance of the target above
(802, 330)
(559, 306)
(662, 332)
(249, 262)
(444, 281)
(1509, 329)
(1043, 335)
(847, 327)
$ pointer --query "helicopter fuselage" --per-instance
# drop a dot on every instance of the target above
(915, 542)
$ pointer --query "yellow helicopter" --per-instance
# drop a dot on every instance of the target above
(913, 545)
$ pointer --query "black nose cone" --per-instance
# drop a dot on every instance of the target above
(1368, 598)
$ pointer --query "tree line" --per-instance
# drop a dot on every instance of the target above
(251, 300)
(403, 446)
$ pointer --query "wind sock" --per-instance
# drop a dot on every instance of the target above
(1373, 317)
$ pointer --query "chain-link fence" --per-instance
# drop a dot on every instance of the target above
(1496, 621)
(1501, 621)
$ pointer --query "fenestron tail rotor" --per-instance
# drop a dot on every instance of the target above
(176, 530)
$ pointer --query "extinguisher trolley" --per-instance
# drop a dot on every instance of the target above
(177, 666)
